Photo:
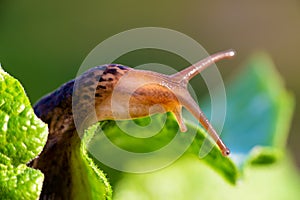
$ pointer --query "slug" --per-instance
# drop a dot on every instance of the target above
(95, 90)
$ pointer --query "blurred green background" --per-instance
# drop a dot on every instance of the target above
(42, 43)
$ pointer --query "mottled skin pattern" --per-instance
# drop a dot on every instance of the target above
(93, 88)
(55, 109)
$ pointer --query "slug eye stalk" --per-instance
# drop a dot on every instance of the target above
(182, 78)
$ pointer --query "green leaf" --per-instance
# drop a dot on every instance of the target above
(89, 182)
(22, 137)
(154, 152)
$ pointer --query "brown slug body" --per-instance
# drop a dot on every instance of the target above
(113, 92)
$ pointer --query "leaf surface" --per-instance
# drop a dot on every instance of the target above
(22, 138)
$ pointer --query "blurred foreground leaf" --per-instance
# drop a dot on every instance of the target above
(189, 179)
(22, 138)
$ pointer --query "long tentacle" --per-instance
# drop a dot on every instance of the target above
(189, 103)
(188, 73)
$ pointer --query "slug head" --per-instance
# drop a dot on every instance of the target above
(141, 93)
(117, 92)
